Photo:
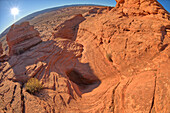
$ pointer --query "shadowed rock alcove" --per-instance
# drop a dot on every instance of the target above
(85, 84)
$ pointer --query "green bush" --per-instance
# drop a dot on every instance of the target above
(33, 85)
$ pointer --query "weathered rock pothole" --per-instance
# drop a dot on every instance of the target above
(77, 78)
(84, 84)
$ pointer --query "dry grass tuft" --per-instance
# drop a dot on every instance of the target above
(33, 85)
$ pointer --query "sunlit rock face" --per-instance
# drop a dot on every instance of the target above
(114, 61)
(22, 37)
(142, 7)
(55, 63)
(68, 28)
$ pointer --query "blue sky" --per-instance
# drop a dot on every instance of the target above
(29, 6)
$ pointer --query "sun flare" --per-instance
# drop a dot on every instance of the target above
(14, 11)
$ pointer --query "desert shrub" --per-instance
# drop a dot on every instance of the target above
(33, 85)
(109, 57)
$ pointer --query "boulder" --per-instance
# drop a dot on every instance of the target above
(142, 7)
(68, 29)
(22, 37)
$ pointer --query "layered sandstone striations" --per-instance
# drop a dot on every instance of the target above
(56, 64)
(69, 28)
(113, 62)
(22, 37)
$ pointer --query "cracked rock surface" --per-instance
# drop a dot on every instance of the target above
(112, 60)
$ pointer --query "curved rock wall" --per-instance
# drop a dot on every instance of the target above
(68, 29)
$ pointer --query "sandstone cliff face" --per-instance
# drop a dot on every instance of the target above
(130, 48)
(22, 37)
(69, 28)
(113, 62)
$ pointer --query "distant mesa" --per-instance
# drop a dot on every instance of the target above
(99, 10)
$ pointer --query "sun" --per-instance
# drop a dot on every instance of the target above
(14, 11)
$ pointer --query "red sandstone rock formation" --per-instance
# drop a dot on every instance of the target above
(117, 62)
(68, 29)
(22, 37)
(136, 45)
(142, 7)
(3, 57)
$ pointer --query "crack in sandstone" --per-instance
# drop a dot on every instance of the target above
(22, 99)
(83, 29)
(62, 100)
(125, 48)
(123, 93)
(153, 99)
(13, 96)
(112, 106)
